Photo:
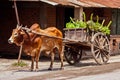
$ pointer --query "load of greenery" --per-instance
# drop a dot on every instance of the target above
(77, 23)
(90, 24)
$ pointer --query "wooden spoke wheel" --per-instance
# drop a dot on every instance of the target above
(100, 48)
(72, 56)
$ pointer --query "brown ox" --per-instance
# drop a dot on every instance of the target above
(34, 44)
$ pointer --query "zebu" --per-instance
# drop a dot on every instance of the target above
(33, 44)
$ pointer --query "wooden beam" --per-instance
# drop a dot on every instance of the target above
(78, 13)
(16, 12)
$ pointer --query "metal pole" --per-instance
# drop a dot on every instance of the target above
(18, 22)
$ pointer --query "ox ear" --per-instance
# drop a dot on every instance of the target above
(26, 26)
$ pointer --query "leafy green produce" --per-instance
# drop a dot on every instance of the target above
(77, 23)
(105, 29)
(96, 26)
(84, 16)
(92, 25)
(81, 24)
(70, 25)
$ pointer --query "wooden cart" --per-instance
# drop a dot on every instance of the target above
(76, 40)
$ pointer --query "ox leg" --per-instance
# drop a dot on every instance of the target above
(37, 63)
(37, 60)
(61, 53)
(32, 64)
(52, 60)
(61, 58)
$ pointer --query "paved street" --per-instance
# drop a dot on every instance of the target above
(85, 70)
(114, 75)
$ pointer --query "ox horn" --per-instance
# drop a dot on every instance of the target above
(21, 25)
(17, 26)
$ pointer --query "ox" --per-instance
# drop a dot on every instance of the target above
(34, 44)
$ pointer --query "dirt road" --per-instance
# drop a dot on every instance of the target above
(84, 68)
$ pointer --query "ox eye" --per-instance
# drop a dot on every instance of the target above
(16, 34)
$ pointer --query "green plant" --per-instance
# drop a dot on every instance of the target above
(96, 26)
(77, 23)
(21, 64)
(105, 29)
(92, 25)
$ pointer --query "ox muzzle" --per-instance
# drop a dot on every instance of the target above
(10, 40)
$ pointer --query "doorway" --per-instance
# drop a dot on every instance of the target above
(63, 15)
(69, 12)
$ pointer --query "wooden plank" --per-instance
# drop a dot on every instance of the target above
(78, 13)
(38, 33)
(41, 34)
(65, 40)
(78, 43)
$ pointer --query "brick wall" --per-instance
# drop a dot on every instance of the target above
(115, 44)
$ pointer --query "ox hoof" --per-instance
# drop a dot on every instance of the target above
(61, 68)
(50, 68)
(36, 70)
(31, 69)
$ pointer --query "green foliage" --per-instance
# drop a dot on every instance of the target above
(70, 25)
(77, 23)
(80, 24)
(105, 30)
(21, 64)
(92, 25)
(96, 26)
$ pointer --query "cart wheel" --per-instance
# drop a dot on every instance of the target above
(100, 48)
(72, 56)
